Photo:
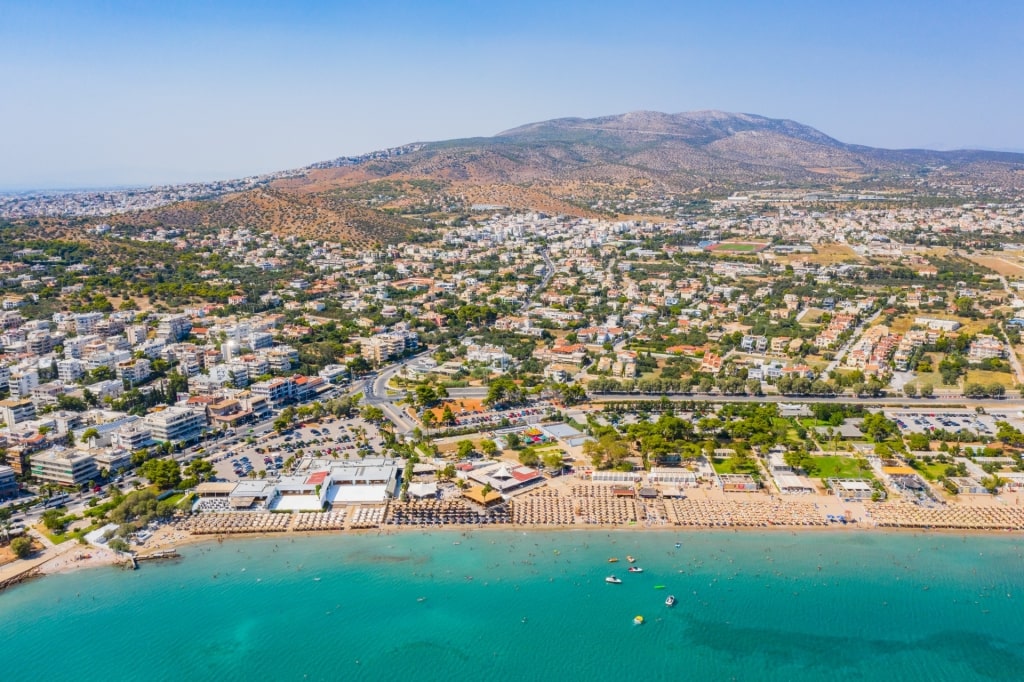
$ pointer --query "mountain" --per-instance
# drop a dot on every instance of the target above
(566, 165)
(681, 152)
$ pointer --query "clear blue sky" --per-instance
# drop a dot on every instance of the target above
(100, 93)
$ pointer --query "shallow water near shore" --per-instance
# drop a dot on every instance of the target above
(534, 606)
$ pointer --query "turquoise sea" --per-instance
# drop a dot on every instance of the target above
(513, 606)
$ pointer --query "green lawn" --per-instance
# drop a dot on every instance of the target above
(933, 377)
(931, 470)
(738, 247)
(734, 465)
(833, 466)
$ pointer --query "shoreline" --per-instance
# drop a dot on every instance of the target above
(100, 557)
(721, 515)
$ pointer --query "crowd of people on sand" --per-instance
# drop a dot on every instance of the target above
(954, 516)
(445, 513)
(93, 556)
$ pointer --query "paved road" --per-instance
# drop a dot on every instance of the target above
(1018, 370)
(376, 394)
(548, 272)
(468, 392)
(1006, 405)
(854, 338)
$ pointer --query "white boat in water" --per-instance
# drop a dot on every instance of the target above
(612, 579)
(671, 601)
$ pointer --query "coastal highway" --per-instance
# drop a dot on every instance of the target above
(1005, 405)
(938, 401)
(376, 394)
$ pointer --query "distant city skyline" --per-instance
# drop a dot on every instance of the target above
(122, 94)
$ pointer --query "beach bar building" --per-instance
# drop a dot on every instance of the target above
(667, 476)
(968, 485)
(851, 488)
(738, 483)
(791, 484)
(612, 476)
(505, 479)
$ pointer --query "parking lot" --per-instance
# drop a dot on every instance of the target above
(527, 415)
(328, 438)
(952, 421)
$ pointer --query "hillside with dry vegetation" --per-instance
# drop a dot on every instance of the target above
(314, 215)
(580, 167)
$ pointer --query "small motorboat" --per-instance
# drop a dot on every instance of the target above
(630, 558)
(671, 601)
(678, 545)
(613, 580)
(613, 560)
(638, 620)
(635, 569)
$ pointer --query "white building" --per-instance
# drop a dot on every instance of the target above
(176, 424)
(16, 410)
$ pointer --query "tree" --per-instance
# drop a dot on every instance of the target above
(176, 383)
(22, 547)
(465, 449)
(447, 416)
(200, 469)
(446, 473)
(992, 483)
(488, 489)
(877, 427)
(918, 441)
(67, 402)
(529, 457)
(572, 394)
(118, 545)
(488, 447)
(373, 414)
(163, 473)
(975, 390)
(428, 418)
(53, 519)
(607, 451)
(910, 390)
(5, 522)
(927, 390)
(89, 434)
(425, 396)
(554, 460)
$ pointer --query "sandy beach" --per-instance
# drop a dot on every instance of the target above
(568, 507)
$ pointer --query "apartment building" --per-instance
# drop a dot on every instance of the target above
(16, 410)
(176, 424)
(64, 467)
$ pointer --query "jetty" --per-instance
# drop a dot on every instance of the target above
(157, 556)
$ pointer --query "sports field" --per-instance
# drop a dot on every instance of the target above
(739, 247)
